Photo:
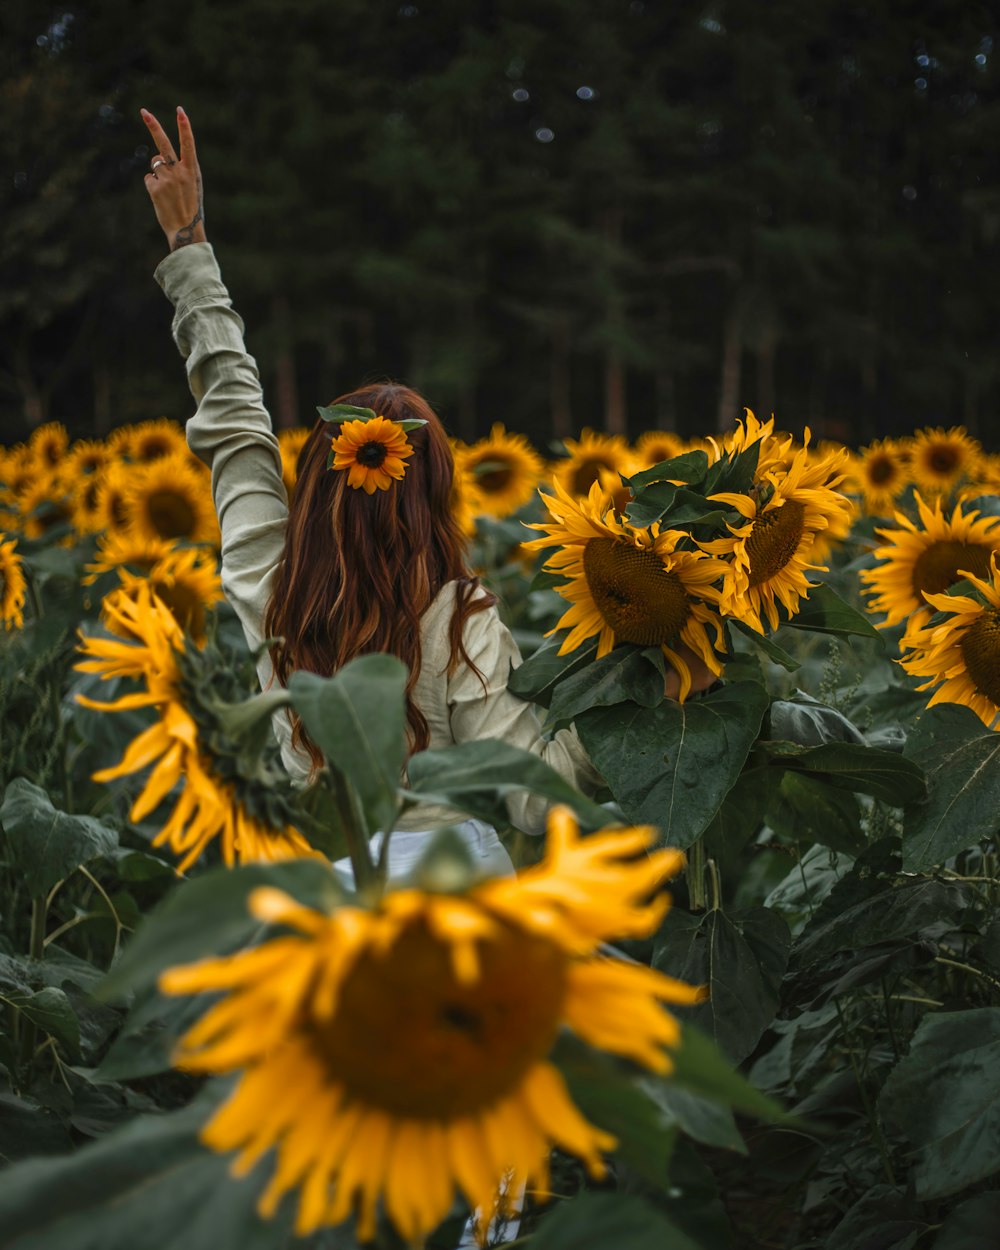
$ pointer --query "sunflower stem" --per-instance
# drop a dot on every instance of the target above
(36, 950)
(355, 835)
(697, 897)
(713, 872)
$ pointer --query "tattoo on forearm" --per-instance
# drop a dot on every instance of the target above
(186, 234)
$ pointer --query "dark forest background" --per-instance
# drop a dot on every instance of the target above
(618, 213)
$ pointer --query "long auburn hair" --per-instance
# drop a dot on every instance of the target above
(358, 571)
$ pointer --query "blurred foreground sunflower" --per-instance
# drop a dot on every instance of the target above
(148, 645)
(927, 558)
(395, 1053)
(171, 498)
(630, 585)
(960, 654)
(187, 582)
(119, 548)
(504, 469)
(13, 586)
(768, 556)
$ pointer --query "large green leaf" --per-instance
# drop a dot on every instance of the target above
(537, 678)
(882, 1219)
(602, 1221)
(945, 1097)
(962, 761)
(805, 720)
(972, 1225)
(672, 765)
(208, 915)
(475, 777)
(26, 1128)
(740, 958)
(45, 845)
(625, 675)
(50, 1010)
(764, 644)
(824, 612)
(803, 809)
(149, 1183)
(705, 1121)
(702, 1069)
(885, 775)
(358, 720)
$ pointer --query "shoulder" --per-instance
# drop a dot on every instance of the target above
(484, 636)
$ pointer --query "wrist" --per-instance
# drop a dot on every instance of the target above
(187, 234)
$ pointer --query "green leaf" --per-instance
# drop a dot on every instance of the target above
(824, 612)
(972, 1225)
(778, 655)
(338, 413)
(702, 1069)
(600, 1221)
(207, 915)
(885, 775)
(740, 958)
(673, 765)
(150, 1182)
(740, 816)
(691, 466)
(945, 1097)
(46, 844)
(624, 675)
(26, 1128)
(537, 678)
(883, 1219)
(805, 720)
(702, 1119)
(962, 761)
(804, 809)
(675, 506)
(358, 720)
(474, 777)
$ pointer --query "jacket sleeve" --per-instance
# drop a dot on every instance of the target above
(486, 709)
(231, 430)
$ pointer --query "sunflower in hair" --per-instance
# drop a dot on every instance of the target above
(13, 586)
(504, 468)
(374, 452)
(629, 585)
(170, 498)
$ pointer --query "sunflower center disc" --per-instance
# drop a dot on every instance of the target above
(938, 567)
(980, 646)
(495, 479)
(170, 514)
(154, 447)
(944, 460)
(881, 469)
(641, 601)
(774, 540)
(586, 474)
(371, 454)
(410, 1038)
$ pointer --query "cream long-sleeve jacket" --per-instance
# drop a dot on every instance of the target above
(231, 432)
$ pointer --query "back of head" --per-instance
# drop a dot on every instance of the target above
(359, 570)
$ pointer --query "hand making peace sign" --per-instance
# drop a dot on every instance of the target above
(174, 185)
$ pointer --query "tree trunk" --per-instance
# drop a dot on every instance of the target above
(765, 375)
(732, 366)
(615, 415)
(664, 382)
(560, 402)
(286, 388)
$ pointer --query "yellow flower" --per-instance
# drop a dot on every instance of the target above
(45, 503)
(769, 555)
(396, 1053)
(118, 547)
(927, 559)
(152, 440)
(112, 497)
(587, 457)
(505, 469)
(373, 452)
(187, 582)
(148, 647)
(170, 498)
(629, 585)
(12, 586)
(655, 446)
(775, 453)
(48, 445)
(960, 656)
(87, 457)
(940, 459)
(290, 444)
(883, 471)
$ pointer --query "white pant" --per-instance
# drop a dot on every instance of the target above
(406, 848)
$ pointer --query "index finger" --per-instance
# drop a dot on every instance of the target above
(186, 134)
(166, 148)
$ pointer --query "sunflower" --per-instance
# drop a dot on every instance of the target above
(152, 440)
(393, 1054)
(373, 451)
(87, 456)
(655, 446)
(186, 582)
(86, 512)
(927, 559)
(466, 503)
(48, 445)
(587, 457)
(505, 468)
(290, 444)
(629, 585)
(883, 471)
(13, 586)
(768, 556)
(17, 472)
(119, 548)
(170, 498)
(148, 644)
(113, 496)
(940, 458)
(775, 450)
(45, 504)
(960, 655)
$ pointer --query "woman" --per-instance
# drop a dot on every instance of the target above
(368, 558)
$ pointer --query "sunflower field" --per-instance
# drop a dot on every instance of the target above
(784, 660)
